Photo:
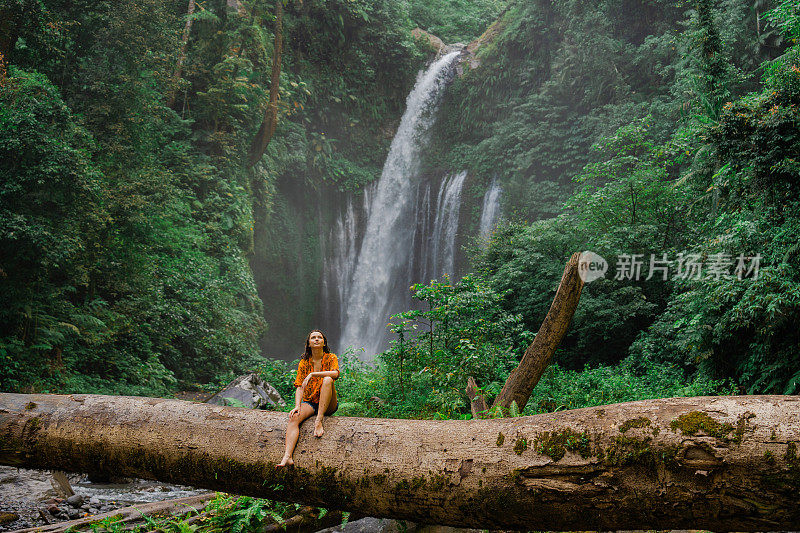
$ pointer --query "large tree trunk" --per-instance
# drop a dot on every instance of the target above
(523, 379)
(717, 463)
(270, 122)
(176, 77)
(258, 186)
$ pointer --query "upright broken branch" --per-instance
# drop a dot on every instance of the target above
(523, 379)
(477, 401)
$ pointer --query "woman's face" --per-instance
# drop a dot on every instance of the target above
(316, 340)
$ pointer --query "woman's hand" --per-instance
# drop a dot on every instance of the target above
(308, 378)
(294, 412)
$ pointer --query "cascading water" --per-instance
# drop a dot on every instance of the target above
(338, 269)
(490, 212)
(443, 253)
(379, 288)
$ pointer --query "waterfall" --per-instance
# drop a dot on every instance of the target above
(490, 212)
(378, 287)
(443, 253)
(338, 268)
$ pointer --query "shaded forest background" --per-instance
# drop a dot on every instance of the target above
(127, 208)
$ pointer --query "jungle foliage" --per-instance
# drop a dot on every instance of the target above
(659, 127)
(669, 137)
(126, 209)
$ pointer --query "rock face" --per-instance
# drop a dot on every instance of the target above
(433, 41)
(248, 391)
(469, 56)
(488, 36)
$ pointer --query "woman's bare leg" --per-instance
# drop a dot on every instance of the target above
(293, 433)
(327, 404)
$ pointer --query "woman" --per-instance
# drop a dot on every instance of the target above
(315, 393)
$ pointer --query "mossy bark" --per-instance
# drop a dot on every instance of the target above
(600, 469)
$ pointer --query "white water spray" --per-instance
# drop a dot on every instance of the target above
(448, 207)
(490, 212)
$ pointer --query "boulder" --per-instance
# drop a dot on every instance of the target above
(248, 391)
(372, 525)
(76, 500)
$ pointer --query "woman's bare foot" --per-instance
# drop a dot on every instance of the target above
(318, 429)
(286, 461)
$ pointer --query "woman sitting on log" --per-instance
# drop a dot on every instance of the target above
(315, 393)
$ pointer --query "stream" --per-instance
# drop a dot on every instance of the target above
(27, 492)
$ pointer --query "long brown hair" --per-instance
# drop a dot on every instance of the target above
(325, 349)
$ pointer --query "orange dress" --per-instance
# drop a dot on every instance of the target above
(311, 394)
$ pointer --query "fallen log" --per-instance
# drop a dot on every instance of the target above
(126, 515)
(716, 463)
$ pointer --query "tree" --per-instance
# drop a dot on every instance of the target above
(718, 463)
(182, 54)
(270, 122)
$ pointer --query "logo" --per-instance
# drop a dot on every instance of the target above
(591, 267)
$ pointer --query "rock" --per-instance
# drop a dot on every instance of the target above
(6, 518)
(373, 525)
(488, 37)
(249, 391)
(53, 509)
(92, 510)
(74, 513)
(446, 529)
(94, 500)
(103, 478)
(431, 40)
(75, 501)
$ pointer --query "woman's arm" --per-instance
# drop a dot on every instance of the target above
(321, 374)
(326, 374)
(298, 397)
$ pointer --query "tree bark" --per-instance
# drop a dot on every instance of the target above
(61, 484)
(523, 379)
(716, 463)
(270, 122)
(176, 77)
